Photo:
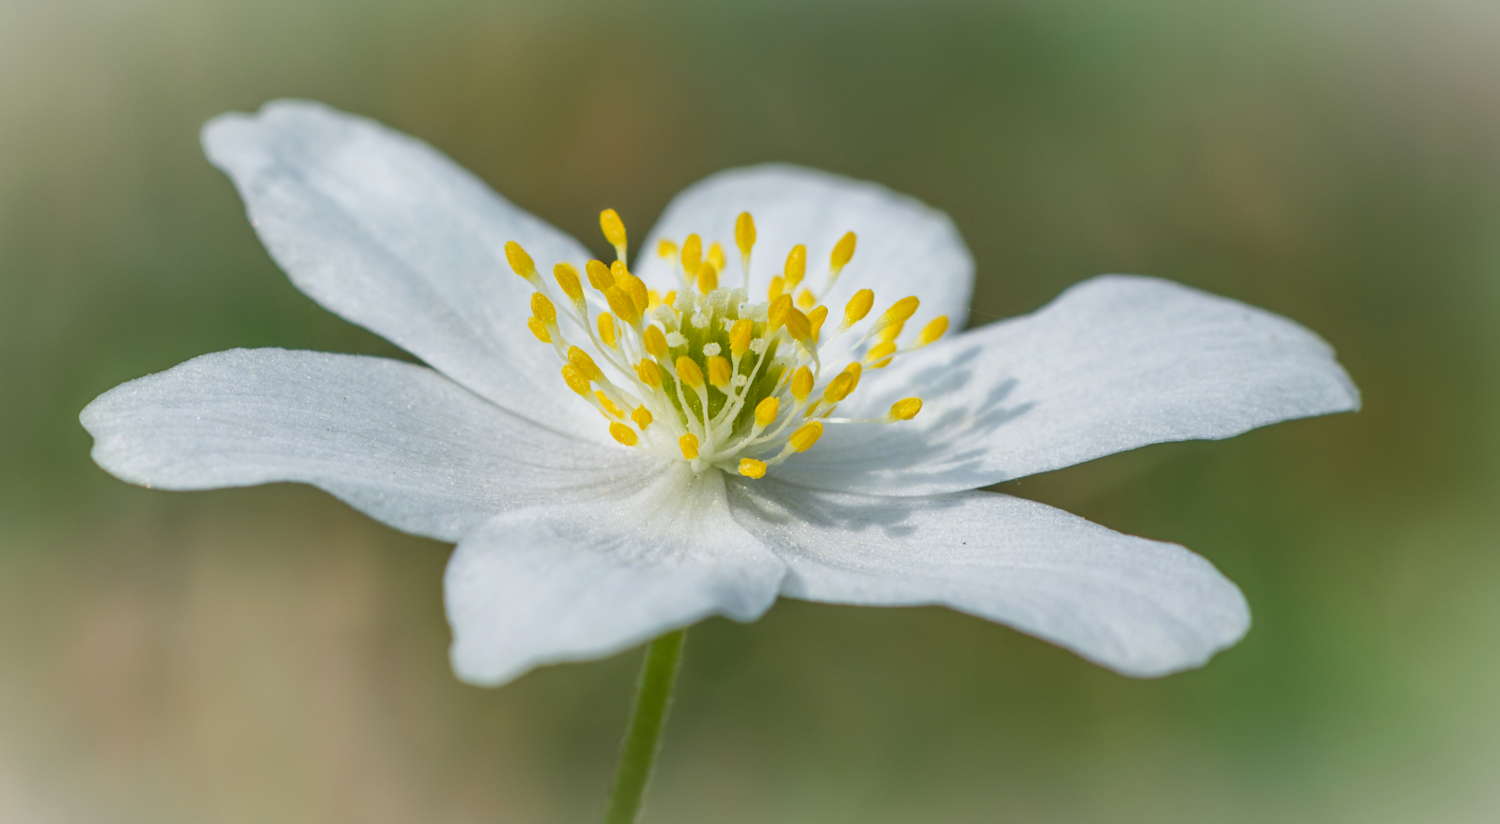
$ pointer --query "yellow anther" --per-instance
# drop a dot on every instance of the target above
(654, 341)
(933, 330)
(805, 436)
(766, 412)
(905, 410)
(520, 262)
(581, 361)
(642, 417)
(614, 230)
(539, 329)
(708, 277)
(567, 280)
(630, 285)
(689, 445)
(543, 308)
(739, 336)
(855, 370)
(816, 318)
(802, 383)
(623, 304)
(649, 373)
(670, 298)
(607, 330)
(838, 388)
(692, 255)
(777, 312)
(653, 299)
(609, 407)
(716, 255)
(666, 249)
(576, 381)
(751, 468)
(806, 300)
(599, 276)
(719, 371)
(778, 285)
(858, 307)
(890, 333)
(880, 355)
(623, 433)
(744, 233)
(799, 327)
(843, 252)
(900, 312)
(796, 265)
(689, 373)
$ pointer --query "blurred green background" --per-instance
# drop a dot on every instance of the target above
(267, 655)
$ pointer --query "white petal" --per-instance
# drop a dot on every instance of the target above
(904, 246)
(399, 442)
(1114, 363)
(390, 234)
(569, 583)
(1139, 607)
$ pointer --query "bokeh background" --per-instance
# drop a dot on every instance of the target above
(267, 655)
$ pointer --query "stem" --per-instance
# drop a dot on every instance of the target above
(653, 697)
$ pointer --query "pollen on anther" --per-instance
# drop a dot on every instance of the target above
(751, 468)
(805, 436)
(642, 417)
(623, 433)
(905, 409)
(689, 445)
(607, 330)
(539, 329)
(766, 411)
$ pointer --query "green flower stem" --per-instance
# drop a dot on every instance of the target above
(653, 698)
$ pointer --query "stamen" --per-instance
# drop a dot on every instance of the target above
(642, 417)
(599, 276)
(666, 249)
(766, 411)
(879, 355)
(802, 383)
(751, 468)
(796, 265)
(539, 329)
(575, 379)
(807, 435)
(689, 373)
(607, 330)
(719, 372)
(692, 255)
(584, 364)
(932, 331)
(521, 263)
(614, 231)
(778, 285)
(607, 405)
(567, 280)
(543, 309)
(689, 445)
(839, 388)
(623, 433)
(843, 252)
(708, 277)
(716, 255)
(857, 308)
(806, 299)
(649, 373)
(744, 237)
(899, 312)
(739, 336)
(816, 318)
(655, 342)
(905, 410)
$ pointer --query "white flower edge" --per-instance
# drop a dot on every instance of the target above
(1112, 364)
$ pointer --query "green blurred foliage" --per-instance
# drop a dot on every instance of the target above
(268, 655)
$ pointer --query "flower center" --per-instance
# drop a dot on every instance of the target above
(703, 374)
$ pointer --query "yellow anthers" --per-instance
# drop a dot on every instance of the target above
(751, 468)
(739, 336)
(905, 410)
(855, 370)
(649, 373)
(799, 327)
(816, 318)
(581, 361)
(599, 275)
(607, 405)
(805, 436)
(630, 285)
(806, 299)
(670, 298)
(744, 233)
(567, 280)
(778, 285)
(654, 341)
(932, 331)
(880, 354)
(623, 305)
(520, 262)
(666, 249)
(642, 417)
(539, 329)
(543, 308)
(716, 255)
(802, 383)
(890, 333)
(692, 255)
(623, 433)
(653, 299)
(843, 252)
(858, 307)
(607, 330)
(766, 412)
(689, 445)
(708, 277)
(900, 312)
(575, 379)
(838, 388)
(614, 230)
(720, 372)
(796, 265)
(777, 312)
(689, 373)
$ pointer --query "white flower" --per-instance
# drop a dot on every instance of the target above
(573, 545)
